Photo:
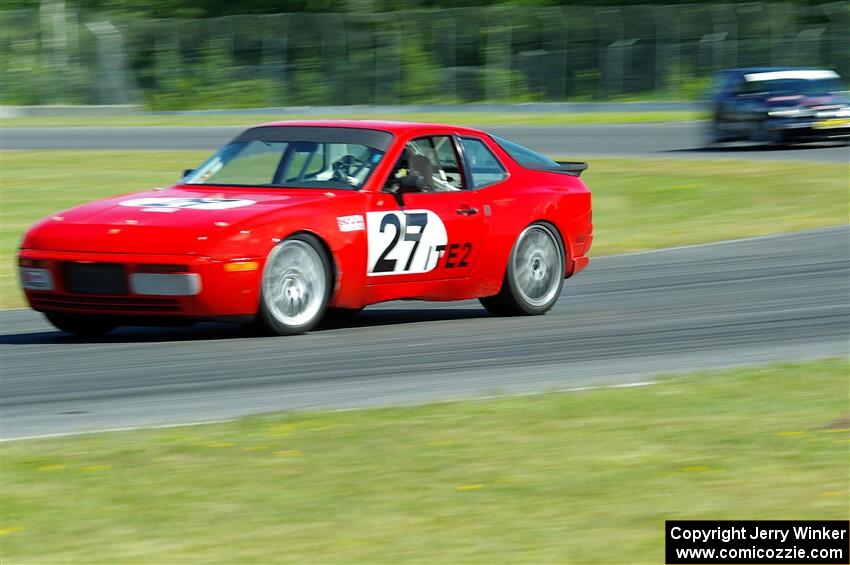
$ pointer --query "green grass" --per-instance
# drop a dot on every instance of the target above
(584, 477)
(639, 204)
(459, 118)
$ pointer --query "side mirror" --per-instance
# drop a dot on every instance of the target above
(405, 185)
(187, 172)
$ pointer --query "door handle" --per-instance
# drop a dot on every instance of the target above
(467, 211)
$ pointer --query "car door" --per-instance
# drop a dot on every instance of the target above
(426, 224)
(731, 105)
(747, 110)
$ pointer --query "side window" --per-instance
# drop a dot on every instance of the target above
(484, 168)
(427, 164)
(740, 87)
(447, 157)
(523, 155)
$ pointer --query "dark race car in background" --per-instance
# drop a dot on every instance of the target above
(779, 105)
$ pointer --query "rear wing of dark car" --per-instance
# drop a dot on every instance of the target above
(573, 168)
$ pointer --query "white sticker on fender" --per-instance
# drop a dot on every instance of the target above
(351, 223)
(405, 242)
(188, 203)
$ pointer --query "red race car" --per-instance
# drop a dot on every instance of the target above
(292, 219)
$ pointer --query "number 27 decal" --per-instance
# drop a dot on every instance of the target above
(410, 242)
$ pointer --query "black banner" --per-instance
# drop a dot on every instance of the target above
(693, 542)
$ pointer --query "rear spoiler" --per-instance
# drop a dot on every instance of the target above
(574, 168)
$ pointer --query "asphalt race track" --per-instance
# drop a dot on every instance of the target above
(668, 140)
(624, 319)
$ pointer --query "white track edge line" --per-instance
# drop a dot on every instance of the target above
(635, 384)
(724, 242)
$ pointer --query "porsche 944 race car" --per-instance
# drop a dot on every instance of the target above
(293, 219)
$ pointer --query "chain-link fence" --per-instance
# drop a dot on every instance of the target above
(505, 54)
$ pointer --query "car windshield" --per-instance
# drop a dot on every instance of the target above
(810, 83)
(523, 155)
(299, 157)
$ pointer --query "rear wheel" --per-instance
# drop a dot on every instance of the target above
(534, 275)
(76, 324)
(296, 286)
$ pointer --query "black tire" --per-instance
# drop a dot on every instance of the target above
(81, 325)
(316, 284)
(713, 135)
(512, 299)
(770, 137)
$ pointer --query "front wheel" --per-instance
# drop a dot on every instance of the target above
(296, 286)
(712, 134)
(769, 136)
(534, 275)
(84, 326)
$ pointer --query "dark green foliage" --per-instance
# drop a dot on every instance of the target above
(213, 8)
(356, 52)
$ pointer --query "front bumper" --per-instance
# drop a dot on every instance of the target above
(813, 128)
(154, 286)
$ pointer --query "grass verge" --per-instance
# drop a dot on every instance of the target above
(459, 118)
(639, 204)
(584, 477)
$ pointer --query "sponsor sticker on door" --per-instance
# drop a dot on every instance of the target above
(351, 223)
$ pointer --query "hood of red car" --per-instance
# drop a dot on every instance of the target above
(179, 220)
